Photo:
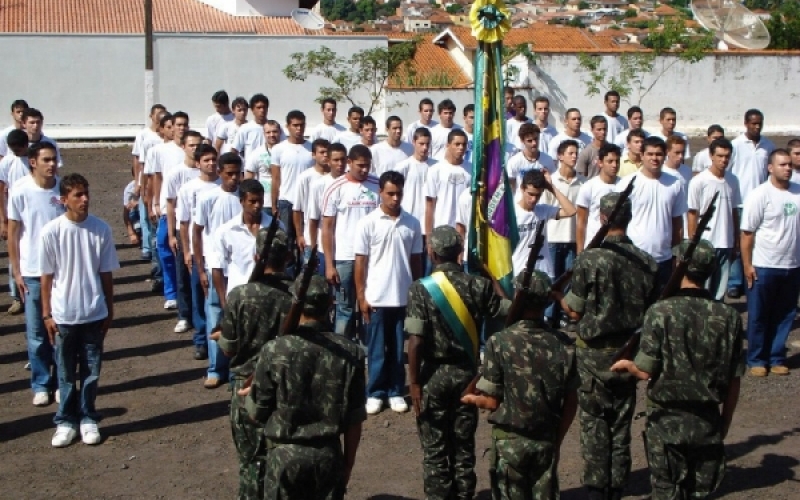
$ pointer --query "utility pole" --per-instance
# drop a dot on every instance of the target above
(149, 87)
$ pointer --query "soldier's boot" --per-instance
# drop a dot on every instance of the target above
(596, 493)
(615, 494)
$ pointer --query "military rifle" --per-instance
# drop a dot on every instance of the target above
(292, 320)
(674, 284)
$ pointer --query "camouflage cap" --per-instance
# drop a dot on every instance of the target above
(280, 244)
(538, 291)
(317, 296)
(609, 201)
(703, 258)
(446, 242)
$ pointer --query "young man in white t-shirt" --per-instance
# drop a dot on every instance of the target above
(770, 243)
(587, 158)
(352, 135)
(668, 118)
(587, 221)
(300, 198)
(530, 157)
(32, 123)
(658, 203)
(572, 130)
(33, 202)
(349, 199)
(724, 225)
(162, 158)
(440, 132)
(616, 122)
(793, 146)
(222, 114)
(388, 251)
(386, 155)
(13, 167)
(673, 165)
(337, 165)
(425, 119)
(259, 162)
(328, 129)
(702, 160)
(541, 118)
(368, 128)
(226, 132)
(150, 137)
(17, 107)
(77, 256)
(515, 122)
(251, 134)
(635, 121)
(446, 181)
(415, 171)
(214, 208)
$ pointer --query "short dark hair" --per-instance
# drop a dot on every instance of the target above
(636, 133)
(468, 108)
(166, 118)
(180, 114)
(250, 186)
(666, 111)
(31, 113)
(611, 93)
(204, 149)
(715, 129)
(422, 132)
(571, 110)
(675, 139)
(337, 148)
(750, 113)
(562, 148)
(447, 105)
(392, 177)
(793, 143)
(367, 120)
(508, 90)
(597, 119)
(541, 98)
(220, 97)
(226, 159)
(634, 109)
(721, 143)
(359, 152)
(191, 133)
(520, 98)
(535, 178)
(257, 98)
(19, 103)
(239, 102)
(70, 182)
(319, 143)
(157, 107)
(393, 118)
(456, 132)
(607, 149)
(655, 142)
(425, 101)
(36, 148)
(328, 100)
(17, 139)
(295, 114)
(779, 151)
(527, 129)
(355, 109)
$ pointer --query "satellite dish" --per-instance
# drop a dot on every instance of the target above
(308, 19)
(733, 23)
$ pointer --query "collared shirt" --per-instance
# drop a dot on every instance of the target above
(628, 167)
(236, 246)
(215, 208)
(563, 230)
(749, 163)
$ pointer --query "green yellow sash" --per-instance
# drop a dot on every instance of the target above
(455, 312)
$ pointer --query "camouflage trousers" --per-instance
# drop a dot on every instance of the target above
(522, 468)
(606, 403)
(447, 433)
(304, 472)
(247, 437)
(685, 453)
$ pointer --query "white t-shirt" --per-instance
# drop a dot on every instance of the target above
(249, 137)
(583, 139)
(519, 165)
(127, 193)
(13, 168)
(187, 200)
(616, 125)
(33, 207)
(749, 163)
(149, 141)
(563, 230)
(292, 159)
(416, 174)
(300, 201)
(546, 135)
(389, 243)
(327, 132)
(414, 126)
(654, 202)
(702, 161)
(512, 131)
(348, 201)
(214, 123)
(4, 139)
(162, 157)
(146, 135)
(214, 208)
(701, 189)
(688, 153)
(445, 183)
(227, 132)
(314, 204)
(348, 138)
(439, 140)
(526, 226)
(386, 157)
(235, 246)
(684, 173)
(772, 214)
(796, 176)
(178, 176)
(259, 162)
(75, 253)
(589, 196)
(622, 139)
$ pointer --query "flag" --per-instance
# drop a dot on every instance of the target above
(493, 230)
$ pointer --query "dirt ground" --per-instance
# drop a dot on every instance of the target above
(165, 436)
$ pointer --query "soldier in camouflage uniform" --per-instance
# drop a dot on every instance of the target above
(253, 315)
(536, 406)
(308, 390)
(691, 353)
(612, 287)
(440, 369)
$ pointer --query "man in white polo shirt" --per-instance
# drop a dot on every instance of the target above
(328, 129)
(350, 198)
(386, 155)
(771, 259)
(587, 222)
(749, 165)
(388, 249)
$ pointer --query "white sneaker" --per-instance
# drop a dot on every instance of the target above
(41, 399)
(374, 406)
(90, 434)
(64, 436)
(182, 326)
(57, 395)
(171, 304)
(28, 366)
(398, 404)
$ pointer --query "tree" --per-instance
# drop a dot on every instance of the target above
(454, 8)
(584, 5)
(510, 72)
(629, 13)
(636, 74)
(784, 26)
(367, 70)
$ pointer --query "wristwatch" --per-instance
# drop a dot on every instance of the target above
(45, 318)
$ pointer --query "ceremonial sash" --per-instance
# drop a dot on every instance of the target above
(455, 312)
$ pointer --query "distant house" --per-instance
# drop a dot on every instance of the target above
(417, 24)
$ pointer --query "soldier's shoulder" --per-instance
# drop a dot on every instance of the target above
(345, 348)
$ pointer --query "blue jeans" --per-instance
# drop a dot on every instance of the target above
(771, 306)
(736, 277)
(184, 285)
(144, 222)
(562, 255)
(198, 309)
(217, 361)
(386, 372)
(717, 283)
(663, 274)
(40, 351)
(167, 260)
(12, 285)
(321, 267)
(345, 300)
(78, 348)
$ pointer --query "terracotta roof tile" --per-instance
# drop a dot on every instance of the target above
(544, 37)
(433, 67)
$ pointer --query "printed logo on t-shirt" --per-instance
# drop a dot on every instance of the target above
(525, 228)
(457, 178)
(365, 198)
(789, 209)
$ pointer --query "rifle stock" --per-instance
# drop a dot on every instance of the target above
(261, 262)
(292, 320)
(518, 305)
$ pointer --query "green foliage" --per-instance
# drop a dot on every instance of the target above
(576, 23)
(357, 11)
(367, 70)
(454, 8)
(511, 72)
(631, 13)
(784, 26)
(584, 5)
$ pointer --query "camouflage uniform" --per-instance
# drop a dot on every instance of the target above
(309, 388)
(446, 426)
(612, 286)
(692, 348)
(253, 315)
(526, 423)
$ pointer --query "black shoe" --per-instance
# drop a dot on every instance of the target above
(157, 286)
(616, 494)
(734, 293)
(596, 493)
(200, 353)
